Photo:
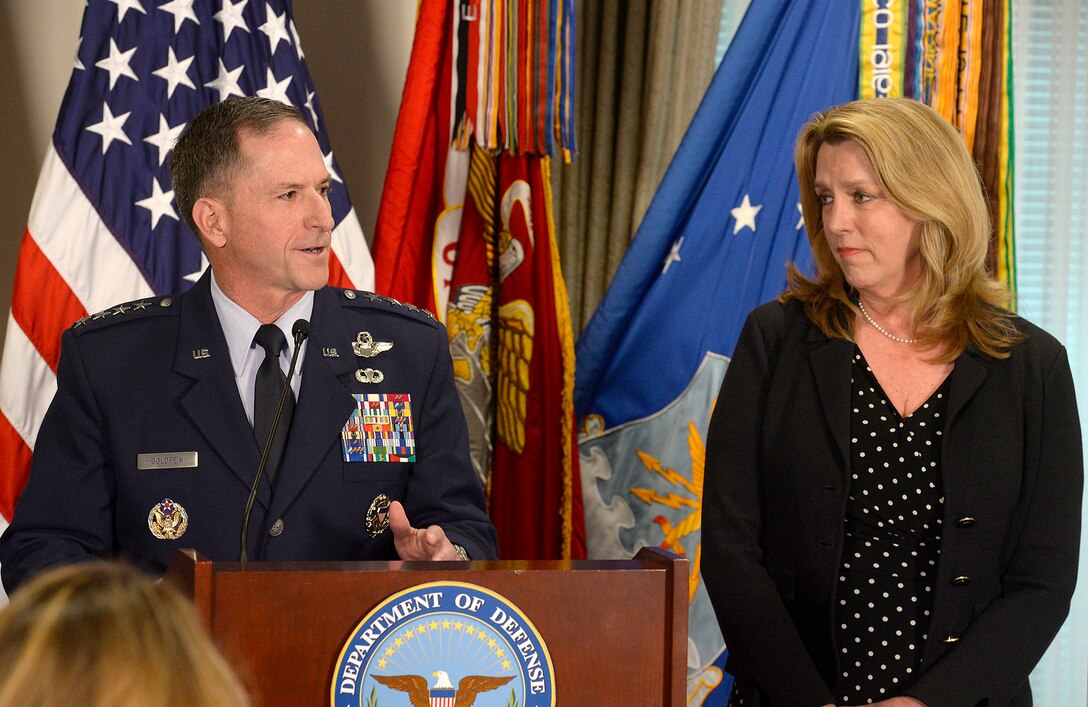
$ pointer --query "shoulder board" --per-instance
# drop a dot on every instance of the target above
(361, 298)
(136, 309)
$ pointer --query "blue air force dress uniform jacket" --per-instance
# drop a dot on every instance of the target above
(154, 377)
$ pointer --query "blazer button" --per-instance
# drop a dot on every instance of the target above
(950, 639)
(965, 522)
(277, 528)
(961, 581)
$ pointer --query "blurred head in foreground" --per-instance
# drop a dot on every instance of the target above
(101, 634)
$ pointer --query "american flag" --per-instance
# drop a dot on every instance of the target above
(103, 225)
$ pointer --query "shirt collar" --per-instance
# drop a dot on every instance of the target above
(239, 326)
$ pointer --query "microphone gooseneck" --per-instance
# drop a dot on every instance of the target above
(299, 331)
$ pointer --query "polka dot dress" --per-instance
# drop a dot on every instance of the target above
(893, 531)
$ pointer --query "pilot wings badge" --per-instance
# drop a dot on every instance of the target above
(365, 346)
(443, 693)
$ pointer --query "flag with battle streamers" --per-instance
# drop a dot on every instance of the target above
(954, 55)
(465, 230)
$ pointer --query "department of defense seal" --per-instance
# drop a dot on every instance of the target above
(444, 643)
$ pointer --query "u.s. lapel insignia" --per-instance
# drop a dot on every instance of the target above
(377, 516)
(365, 346)
(200, 354)
(167, 520)
(330, 353)
(369, 375)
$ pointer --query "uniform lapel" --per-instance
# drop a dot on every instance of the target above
(212, 402)
(325, 400)
(831, 364)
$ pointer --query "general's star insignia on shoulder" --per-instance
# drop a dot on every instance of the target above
(120, 312)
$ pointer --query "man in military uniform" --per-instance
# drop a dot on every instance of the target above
(158, 425)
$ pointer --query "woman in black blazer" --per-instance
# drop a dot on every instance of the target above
(894, 471)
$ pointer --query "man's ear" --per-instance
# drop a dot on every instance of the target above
(211, 219)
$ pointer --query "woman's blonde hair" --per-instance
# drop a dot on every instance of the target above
(102, 634)
(925, 170)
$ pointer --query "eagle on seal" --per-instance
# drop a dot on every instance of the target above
(467, 689)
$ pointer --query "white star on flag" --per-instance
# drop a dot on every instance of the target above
(181, 10)
(801, 218)
(227, 82)
(745, 215)
(310, 106)
(164, 139)
(124, 6)
(231, 18)
(117, 64)
(674, 254)
(276, 90)
(298, 42)
(194, 276)
(111, 127)
(79, 45)
(275, 27)
(332, 172)
(175, 72)
(159, 203)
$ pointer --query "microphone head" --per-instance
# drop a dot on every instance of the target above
(300, 330)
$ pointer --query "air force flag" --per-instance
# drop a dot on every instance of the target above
(713, 245)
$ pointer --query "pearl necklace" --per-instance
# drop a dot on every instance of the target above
(881, 329)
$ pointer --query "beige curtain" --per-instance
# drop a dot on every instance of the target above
(642, 68)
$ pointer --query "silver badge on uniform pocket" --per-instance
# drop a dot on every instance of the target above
(369, 375)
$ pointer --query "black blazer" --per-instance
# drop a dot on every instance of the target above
(156, 377)
(776, 485)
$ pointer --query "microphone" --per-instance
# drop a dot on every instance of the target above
(300, 331)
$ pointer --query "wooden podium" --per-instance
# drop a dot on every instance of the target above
(616, 630)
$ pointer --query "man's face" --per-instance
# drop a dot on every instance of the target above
(276, 219)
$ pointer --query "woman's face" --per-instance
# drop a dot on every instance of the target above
(875, 243)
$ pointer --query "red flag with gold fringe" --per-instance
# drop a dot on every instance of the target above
(484, 80)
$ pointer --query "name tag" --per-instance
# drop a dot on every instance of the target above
(166, 460)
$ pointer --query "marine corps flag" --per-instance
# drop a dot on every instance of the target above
(511, 341)
(465, 230)
(714, 244)
(103, 226)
